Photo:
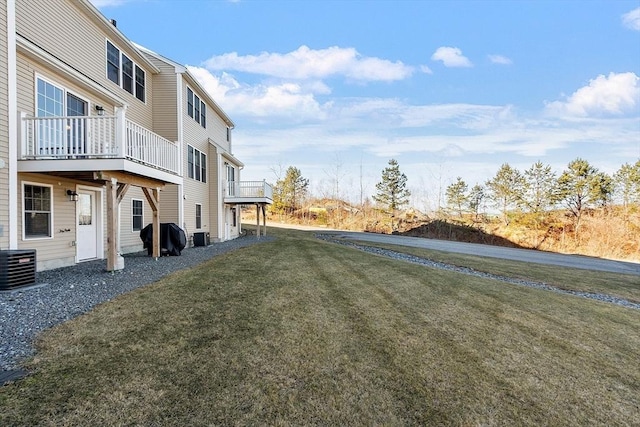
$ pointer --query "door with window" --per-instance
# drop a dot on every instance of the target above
(86, 228)
(76, 128)
(57, 135)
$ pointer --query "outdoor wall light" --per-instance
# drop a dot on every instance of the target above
(100, 110)
(73, 196)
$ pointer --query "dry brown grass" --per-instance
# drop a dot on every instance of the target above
(301, 331)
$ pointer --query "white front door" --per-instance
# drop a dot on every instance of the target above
(86, 228)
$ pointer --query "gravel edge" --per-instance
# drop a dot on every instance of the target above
(64, 293)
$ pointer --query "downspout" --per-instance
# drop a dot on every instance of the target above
(12, 88)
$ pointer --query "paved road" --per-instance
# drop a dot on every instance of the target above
(526, 255)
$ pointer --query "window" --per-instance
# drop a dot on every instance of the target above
(140, 83)
(125, 73)
(37, 211)
(189, 102)
(198, 216)
(136, 214)
(113, 63)
(234, 217)
(196, 164)
(190, 155)
(196, 108)
(228, 134)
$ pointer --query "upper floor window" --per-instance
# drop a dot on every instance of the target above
(228, 134)
(196, 108)
(113, 63)
(124, 72)
(37, 211)
(196, 164)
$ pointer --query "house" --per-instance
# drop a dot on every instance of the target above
(99, 137)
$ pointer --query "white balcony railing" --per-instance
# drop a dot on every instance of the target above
(97, 137)
(249, 190)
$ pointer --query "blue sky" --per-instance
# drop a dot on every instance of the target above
(447, 88)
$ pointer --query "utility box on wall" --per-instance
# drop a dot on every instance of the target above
(201, 239)
(17, 268)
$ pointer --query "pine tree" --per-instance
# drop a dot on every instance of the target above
(627, 182)
(506, 188)
(392, 193)
(457, 195)
(576, 187)
(289, 191)
(475, 199)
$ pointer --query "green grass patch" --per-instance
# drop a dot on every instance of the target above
(300, 331)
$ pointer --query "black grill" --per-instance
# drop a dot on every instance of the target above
(17, 268)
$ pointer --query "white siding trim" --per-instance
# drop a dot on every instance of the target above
(13, 123)
(180, 142)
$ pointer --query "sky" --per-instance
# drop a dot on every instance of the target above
(447, 88)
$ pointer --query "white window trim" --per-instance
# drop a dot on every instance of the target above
(24, 234)
(142, 222)
(120, 72)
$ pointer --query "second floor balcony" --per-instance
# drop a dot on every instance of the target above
(248, 192)
(82, 143)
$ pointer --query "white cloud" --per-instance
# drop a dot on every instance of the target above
(306, 63)
(631, 19)
(426, 69)
(278, 100)
(499, 59)
(451, 57)
(107, 3)
(615, 94)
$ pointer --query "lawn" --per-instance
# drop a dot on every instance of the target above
(300, 331)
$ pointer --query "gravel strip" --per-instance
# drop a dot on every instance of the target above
(471, 272)
(64, 293)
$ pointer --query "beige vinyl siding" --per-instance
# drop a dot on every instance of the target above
(196, 193)
(57, 251)
(217, 129)
(129, 239)
(165, 119)
(55, 25)
(169, 204)
(4, 131)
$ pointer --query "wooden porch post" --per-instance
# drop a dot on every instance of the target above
(113, 228)
(258, 220)
(153, 198)
(264, 218)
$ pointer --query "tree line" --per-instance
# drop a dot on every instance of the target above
(539, 190)
(536, 191)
